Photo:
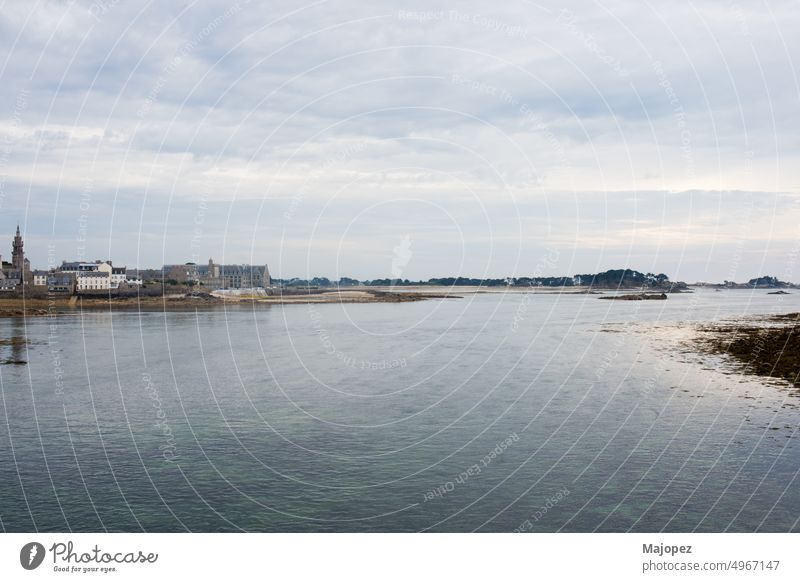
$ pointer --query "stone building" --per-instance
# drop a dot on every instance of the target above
(61, 282)
(40, 278)
(18, 271)
(217, 276)
(96, 276)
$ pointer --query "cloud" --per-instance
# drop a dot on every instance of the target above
(510, 118)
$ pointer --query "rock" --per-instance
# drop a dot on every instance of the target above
(637, 297)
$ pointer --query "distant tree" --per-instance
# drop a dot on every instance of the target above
(767, 281)
(295, 282)
(622, 278)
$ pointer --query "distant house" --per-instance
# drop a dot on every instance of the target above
(119, 276)
(96, 276)
(144, 275)
(11, 279)
(93, 281)
(8, 284)
(61, 282)
(40, 278)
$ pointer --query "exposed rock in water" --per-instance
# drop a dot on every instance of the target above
(13, 362)
(764, 350)
(637, 297)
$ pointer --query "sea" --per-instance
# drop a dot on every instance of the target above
(492, 412)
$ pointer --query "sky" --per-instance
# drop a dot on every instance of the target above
(405, 139)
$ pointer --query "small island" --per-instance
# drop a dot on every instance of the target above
(637, 297)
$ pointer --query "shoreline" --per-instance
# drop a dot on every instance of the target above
(766, 346)
(44, 306)
(40, 304)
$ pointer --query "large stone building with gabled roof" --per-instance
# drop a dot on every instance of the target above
(217, 276)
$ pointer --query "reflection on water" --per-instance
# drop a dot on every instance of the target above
(12, 348)
(494, 412)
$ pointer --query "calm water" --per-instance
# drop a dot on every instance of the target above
(493, 412)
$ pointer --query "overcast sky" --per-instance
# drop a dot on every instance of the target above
(412, 139)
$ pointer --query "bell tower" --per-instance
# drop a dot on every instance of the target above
(17, 254)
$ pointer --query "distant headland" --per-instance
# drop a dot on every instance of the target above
(103, 284)
(613, 279)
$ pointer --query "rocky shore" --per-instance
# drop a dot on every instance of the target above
(768, 347)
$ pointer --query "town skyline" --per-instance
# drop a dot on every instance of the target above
(726, 250)
(211, 269)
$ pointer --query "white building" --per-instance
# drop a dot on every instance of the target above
(100, 275)
(119, 276)
(97, 276)
(78, 267)
(40, 278)
(94, 280)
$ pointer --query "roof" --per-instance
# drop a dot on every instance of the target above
(93, 274)
(77, 266)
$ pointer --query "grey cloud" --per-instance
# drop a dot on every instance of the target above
(549, 111)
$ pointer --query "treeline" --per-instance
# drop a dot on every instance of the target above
(767, 282)
(622, 278)
(615, 278)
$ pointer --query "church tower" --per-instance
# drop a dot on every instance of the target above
(17, 254)
(213, 269)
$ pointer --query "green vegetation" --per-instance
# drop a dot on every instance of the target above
(767, 282)
(613, 279)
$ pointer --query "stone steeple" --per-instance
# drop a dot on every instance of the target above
(17, 254)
